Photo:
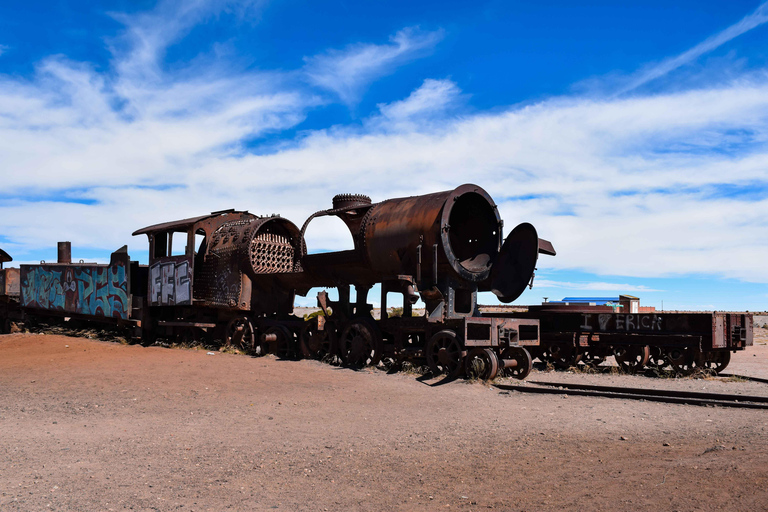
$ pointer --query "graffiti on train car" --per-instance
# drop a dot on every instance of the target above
(621, 322)
(170, 283)
(88, 290)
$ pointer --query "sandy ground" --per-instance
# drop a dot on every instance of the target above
(90, 425)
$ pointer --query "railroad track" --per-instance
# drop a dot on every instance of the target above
(650, 395)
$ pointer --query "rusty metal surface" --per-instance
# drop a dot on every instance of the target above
(9, 282)
(707, 330)
(455, 233)
(64, 252)
(233, 267)
(463, 223)
(176, 225)
(500, 332)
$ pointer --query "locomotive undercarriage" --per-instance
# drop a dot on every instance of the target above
(682, 358)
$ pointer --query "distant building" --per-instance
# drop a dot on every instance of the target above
(622, 303)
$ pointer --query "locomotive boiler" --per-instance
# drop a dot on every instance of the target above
(441, 248)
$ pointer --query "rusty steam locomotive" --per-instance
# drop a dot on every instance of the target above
(233, 276)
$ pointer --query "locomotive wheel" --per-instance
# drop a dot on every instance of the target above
(240, 334)
(683, 360)
(716, 361)
(482, 363)
(277, 340)
(445, 354)
(563, 356)
(524, 362)
(361, 344)
(315, 344)
(632, 359)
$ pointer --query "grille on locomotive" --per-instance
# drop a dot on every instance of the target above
(271, 253)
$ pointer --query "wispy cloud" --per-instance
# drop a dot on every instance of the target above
(3, 48)
(594, 286)
(141, 46)
(650, 73)
(346, 72)
(432, 98)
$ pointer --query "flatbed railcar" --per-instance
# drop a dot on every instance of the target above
(680, 341)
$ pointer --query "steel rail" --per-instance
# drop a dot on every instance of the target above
(650, 395)
(743, 377)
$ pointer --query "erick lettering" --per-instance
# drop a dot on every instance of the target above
(626, 322)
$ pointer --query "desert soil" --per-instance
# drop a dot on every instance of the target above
(93, 425)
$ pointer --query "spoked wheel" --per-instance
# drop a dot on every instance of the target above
(563, 356)
(240, 334)
(683, 360)
(523, 362)
(391, 364)
(361, 344)
(716, 361)
(482, 363)
(658, 359)
(315, 344)
(592, 360)
(632, 359)
(445, 354)
(278, 340)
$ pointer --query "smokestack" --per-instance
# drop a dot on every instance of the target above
(65, 252)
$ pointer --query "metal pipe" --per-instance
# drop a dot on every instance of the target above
(65, 252)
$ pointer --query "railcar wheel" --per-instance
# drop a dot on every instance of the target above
(523, 359)
(592, 360)
(482, 363)
(240, 334)
(563, 356)
(632, 359)
(277, 340)
(445, 354)
(361, 344)
(658, 359)
(716, 361)
(683, 360)
(315, 344)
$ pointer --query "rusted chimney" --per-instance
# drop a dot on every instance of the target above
(65, 252)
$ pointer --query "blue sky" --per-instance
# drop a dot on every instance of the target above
(632, 134)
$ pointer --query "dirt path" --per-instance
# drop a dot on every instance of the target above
(88, 425)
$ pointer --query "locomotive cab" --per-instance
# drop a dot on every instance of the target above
(237, 255)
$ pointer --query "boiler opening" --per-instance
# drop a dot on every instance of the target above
(474, 235)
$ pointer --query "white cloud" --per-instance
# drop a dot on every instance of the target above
(593, 286)
(140, 48)
(419, 111)
(653, 72)
(346, 72)
(433, 95)
(4, 48)
(621, 186)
